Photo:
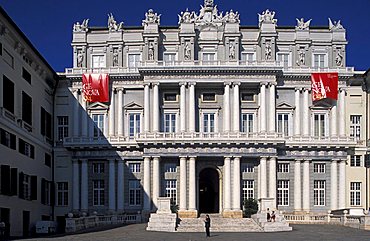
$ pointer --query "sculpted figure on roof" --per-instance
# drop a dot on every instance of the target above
(151, 17)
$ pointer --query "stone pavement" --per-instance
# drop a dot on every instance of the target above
(136, 232)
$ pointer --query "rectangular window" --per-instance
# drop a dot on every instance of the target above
(45, 191)
(134, 127)
(247, 58)
(26, 187)
(283, 167)
(248, 97)
(170, 167)
(47, 160)
(319, 61)
(8, 94)
(169, 58)
(134, 192)
(248, 189)
(98, 168)
(248, 167)
(46, 127)
(283, 193)
(171, 190)
(208, 97)
(355, 194)
(209, 58)
(283, 59)
(170, 97)
(283, 124)
(355, 161)
(99, 124)
(62, 127)
(8, 58)
(355, 126)
(208, 122)
(1, 49)
(247, 122)
(8, 139)
(62, 193)
(134, 167)
(170, 122)
(319, 167)
(26, 148)
(26, 108)
(98, 192)
(319, 192)
(26, 75)
(319, 125)
(133, 60)
(98, 61)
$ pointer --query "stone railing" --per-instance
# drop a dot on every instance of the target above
(82, 223)
(344, 219)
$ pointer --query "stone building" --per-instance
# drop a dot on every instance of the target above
(27, 84)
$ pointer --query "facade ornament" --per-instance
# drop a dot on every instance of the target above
(231, 17)
(80, 58)
(187, 54)
(208, 3)
(151, 17)
(186, 17)
(267, 17)
(115, 57)
(302, 25)
(77, 27)
(112, 24)
(301, 57)
(339, 58)
(335, 25)
(151, 51)
(232, 51)
(268, 51)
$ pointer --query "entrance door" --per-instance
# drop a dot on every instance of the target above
(26, 223)
(209, 191)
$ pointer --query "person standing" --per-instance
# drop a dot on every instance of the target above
(207, 224)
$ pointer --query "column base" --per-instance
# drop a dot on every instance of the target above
(187, 213)
(232, 214)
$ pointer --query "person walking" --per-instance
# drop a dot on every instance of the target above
(207, 224)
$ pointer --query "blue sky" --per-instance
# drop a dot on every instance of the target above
(48, 23)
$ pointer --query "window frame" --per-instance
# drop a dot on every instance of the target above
(319, 193)
(62, 194)
(283, 193)
(355, 194)
(102, 61)
(248, 189)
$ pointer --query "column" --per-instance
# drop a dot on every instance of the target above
(305, 117)
(192, 184)
(182, 183)
(146, 108)
(333, 120)
(120, 183)
(84, 186)
(297, 186)
(334, 185)
(236, 186)
(191, 107)
(297, 113)
(155, 108)
(76, 116)
(342, 184)
(236, 114)
(84, 119)
(263, 108)
(306, 185)
(75, 187)
(272, 105)
(342, 108)
(120, 112)
(263, 177)
(111, 114)
(227, 107)
(227, 183)
(182, 107)
(147, 198)
(156, 181)
(112, 186)
(272, 179)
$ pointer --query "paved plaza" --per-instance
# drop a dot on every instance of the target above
(137, 232)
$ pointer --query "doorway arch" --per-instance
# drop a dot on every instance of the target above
(209, 191)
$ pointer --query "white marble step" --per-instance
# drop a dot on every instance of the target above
(219, 225)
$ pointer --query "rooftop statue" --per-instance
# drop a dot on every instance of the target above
(302, 25)
(208, 3)
(267, 17)
(112, 24)
(232, 17)
(186, 17)
(77, 27)
(335, 25)
(151, 17)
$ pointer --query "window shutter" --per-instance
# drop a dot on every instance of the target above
(52, 193)
(2, 136)
(48, 125)
(43, 182)
(33, 187)
(5, 179)
(43, 121)
(13, 142)
(14, 181)
(21, 191)
(32, 152)
(21, 146)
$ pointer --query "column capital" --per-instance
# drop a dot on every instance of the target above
(183, 83)
(111, 160)
(195, 157)
(119, 89)
(144, 157)
(236, 83)
(273, 157)
(227, 83)
(272, 83)
(183, 157)
(156, 157)
(75, 160)
(343, 89)
(193, 83)
(299, 89)
(264, 157)
(155, 84)
(120, 160)
(263, 83)
(145, 84)
(237, 157)
(83, 160)
(229, 157)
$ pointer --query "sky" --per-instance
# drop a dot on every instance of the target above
(48, 23)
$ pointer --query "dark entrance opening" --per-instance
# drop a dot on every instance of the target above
(209, 191)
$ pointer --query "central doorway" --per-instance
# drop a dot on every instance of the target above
(209, 189)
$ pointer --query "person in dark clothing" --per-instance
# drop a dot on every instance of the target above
(268, 215)
(207, 224)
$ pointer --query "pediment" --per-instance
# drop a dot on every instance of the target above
(98, 106)
(284, 105)
(133, 106)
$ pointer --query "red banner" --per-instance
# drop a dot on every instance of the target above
(95, 87)
(324, 86)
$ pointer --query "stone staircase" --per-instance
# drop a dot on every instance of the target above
(279, 225)
(162, 222)
(219, 224)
